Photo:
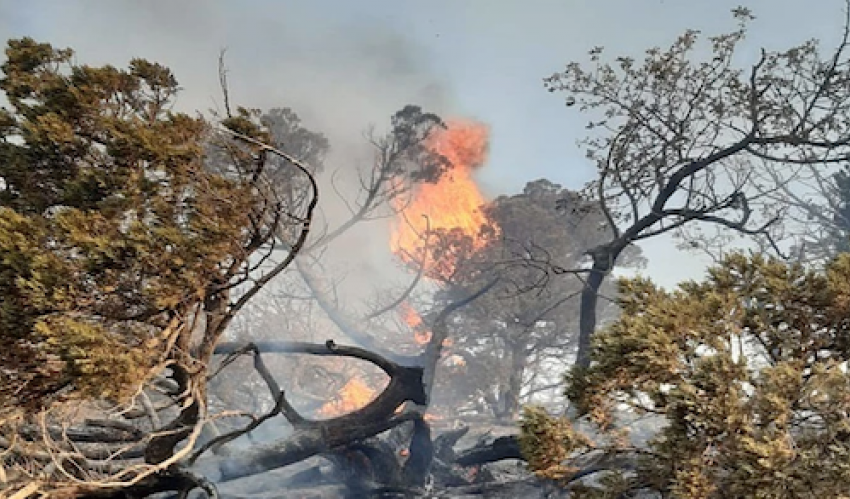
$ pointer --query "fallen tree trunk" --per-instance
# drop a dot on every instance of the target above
(313, 437)
(501, 448)
(304, 443)
(349, 458)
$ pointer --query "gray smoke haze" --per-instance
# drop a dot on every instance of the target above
(340, 77)
(343, 64)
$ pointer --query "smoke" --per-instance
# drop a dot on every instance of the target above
(340, 77)
(340, 73)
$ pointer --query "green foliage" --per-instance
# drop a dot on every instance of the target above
(547, 443)
(748, 369)
(111, 227)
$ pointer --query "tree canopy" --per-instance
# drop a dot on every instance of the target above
(515, 336)
(746, 371)
(111, 227)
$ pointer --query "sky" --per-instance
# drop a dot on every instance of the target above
(343, 64)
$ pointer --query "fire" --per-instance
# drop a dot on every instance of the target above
(414, 321)
(410, 317)
(422, 337)
(452, 202)
(354, 395)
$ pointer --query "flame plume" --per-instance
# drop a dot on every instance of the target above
(452, 203)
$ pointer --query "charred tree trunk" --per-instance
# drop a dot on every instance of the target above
(311, 437)
(512, 400)
(508, 403)
(421, 454)
(604, 259)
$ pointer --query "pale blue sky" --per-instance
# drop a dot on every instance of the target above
(343, 64)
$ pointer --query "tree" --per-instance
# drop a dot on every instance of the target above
(114, 232)
(524, 328)
(679, 139)
(270, 314)
(746, 371)
(401, 160)
(127, 230)
(131, 237)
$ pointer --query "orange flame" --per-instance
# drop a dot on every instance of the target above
(420, 334)
(410, 317)
(354, 395)
(422, 337)
(452, 202)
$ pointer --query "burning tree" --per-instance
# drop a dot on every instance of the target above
(438, 227)
(450, 206)
(438, 161)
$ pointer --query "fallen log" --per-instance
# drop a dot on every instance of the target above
(311, 437)
(500, 449)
